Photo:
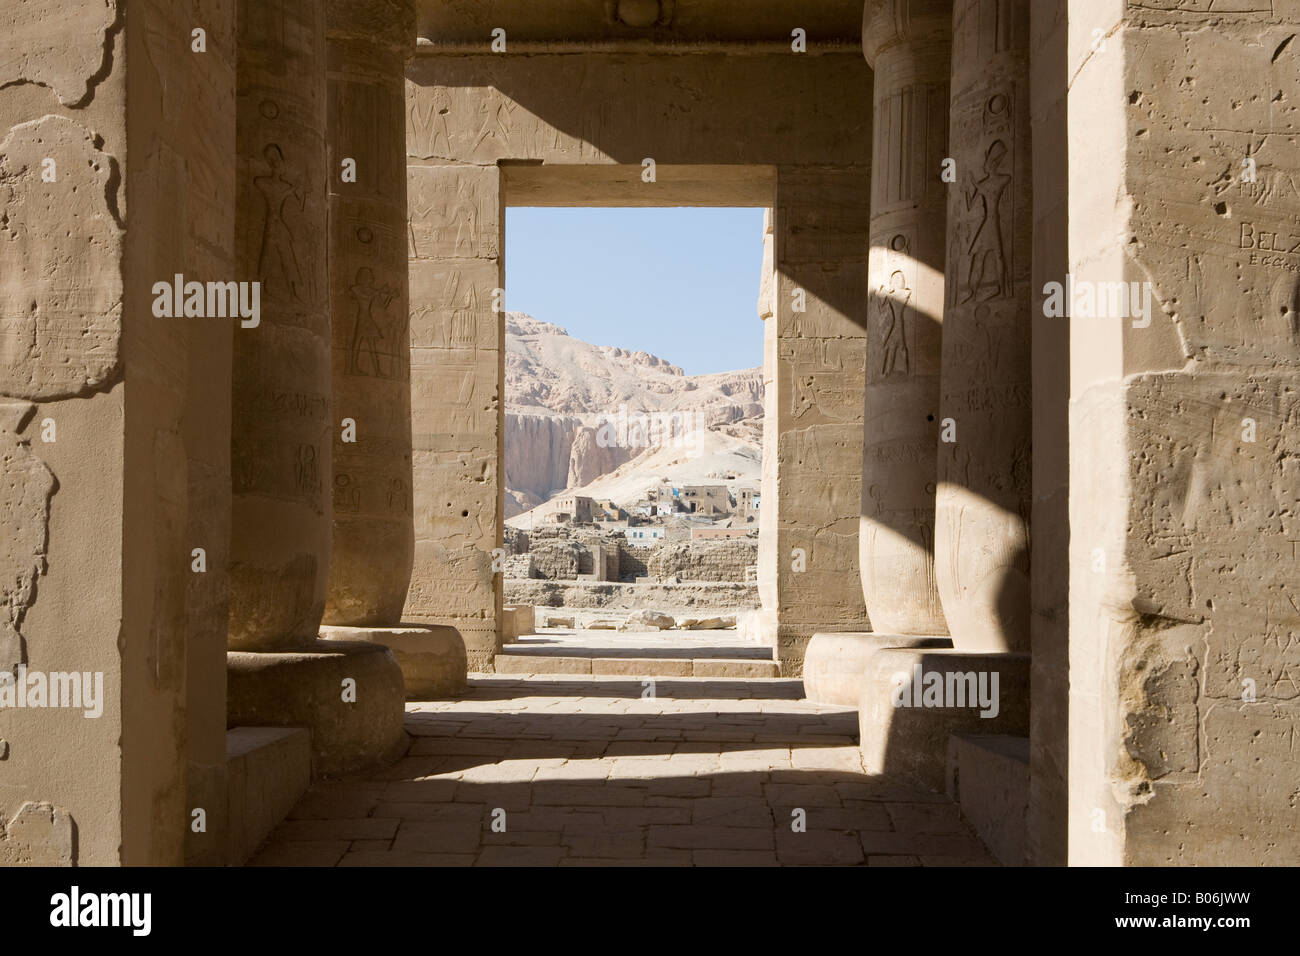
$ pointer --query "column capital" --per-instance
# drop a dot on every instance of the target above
(890, 23)
(389, 23)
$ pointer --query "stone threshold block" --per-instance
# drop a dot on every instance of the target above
(517, 620)
(349, 695)
(268, 769)
(913, 699)
(834, 663)
(988, 777)
(432, 656)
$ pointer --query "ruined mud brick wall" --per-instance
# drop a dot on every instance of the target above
(633, 562)
(1184, 626)
(704, 561)
(519, 566)
(559, 560)
(103, 491)
(467, 114)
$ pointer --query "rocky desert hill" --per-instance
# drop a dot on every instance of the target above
(561, 390)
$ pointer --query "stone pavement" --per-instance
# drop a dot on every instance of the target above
(588, 771)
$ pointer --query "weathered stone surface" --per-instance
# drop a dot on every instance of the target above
(648, 621)
(988, 777)
(432, 659)
(517, 620)
(281, 445)
(1184, 449)
(373, 532)
(908, 45)
(26, 487)
(834, 665)
(308, 689)
(61, 292)
(984, 463)
(69, 62)
(38, 834)
(707, 623)
(898, 735)
(269, 771)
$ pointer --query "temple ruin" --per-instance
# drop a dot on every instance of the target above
(1028, 528)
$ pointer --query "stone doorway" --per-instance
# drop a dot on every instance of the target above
(633, 442)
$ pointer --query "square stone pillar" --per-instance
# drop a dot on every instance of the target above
(1185, 435)
(115, 164)
(819, 327)
(457, 400)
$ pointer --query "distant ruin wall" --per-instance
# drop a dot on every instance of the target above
(705, 561)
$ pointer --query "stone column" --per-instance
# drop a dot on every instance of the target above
(374, 532)
(1185, 434)
(283, 416)
(907, 45)
(981, 560)
(984, 465)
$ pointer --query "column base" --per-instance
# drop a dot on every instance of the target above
(914, 698)
(834, 663)
(431, 656)
(306, 688)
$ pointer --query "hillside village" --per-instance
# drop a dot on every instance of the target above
(676, 509)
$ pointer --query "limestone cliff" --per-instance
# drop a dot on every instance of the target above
(559, 390)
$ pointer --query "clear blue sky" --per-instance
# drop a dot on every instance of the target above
(680, 283)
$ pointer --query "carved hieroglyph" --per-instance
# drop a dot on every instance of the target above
(374, 534)
(908, 45)
(26, 486)
(60, 289)
(982, 504)
(282, 412)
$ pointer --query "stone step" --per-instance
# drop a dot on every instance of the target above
(517, 663)
(988, 777)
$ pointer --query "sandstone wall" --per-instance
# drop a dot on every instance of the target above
(1185, 430)
(97, 516)
(466, 114)
(457, 413)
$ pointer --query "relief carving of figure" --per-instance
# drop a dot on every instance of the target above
(277, 262)
(367, 328)
(306, 472)
(987, 273)
(891, 304)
